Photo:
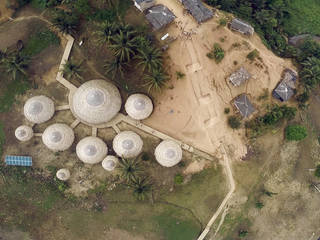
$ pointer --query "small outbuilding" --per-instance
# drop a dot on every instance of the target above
(143, 5)
(241, 26)
(198, 10)
(244, 105)
(110, 163)
(39, 109)
(168, 153)
(91, 150)
(139, 106)
(159, 16)
(24, 133)
(239, 76)
(127, 144)
(58, 137)
(63, 174)
(286, 88)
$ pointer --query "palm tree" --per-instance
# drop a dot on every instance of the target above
(72, 69)
(66, 22)
(150, 58)
(311, 71)
(156, 80)
(115, 67)
(123, 46)
(141, 187)
(105, 32)
(129, 168)
(14, 63)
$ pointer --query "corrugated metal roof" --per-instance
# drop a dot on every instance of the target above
(244, 106)
(197, 10)
(159, 16)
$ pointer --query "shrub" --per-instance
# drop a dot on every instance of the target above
(178, 179)
(226, 110)
(234, 122)
(218, 53)
(145, 156)
(259, 205)
(243, 233)
(235, 62)
(222, 22)
(317, 172)
(180, 75)
(253, 54)
(296, 132)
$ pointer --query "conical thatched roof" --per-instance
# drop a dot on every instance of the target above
(139, 106)
(91, 150)
(58, 137)
(39, 109)
(110, 163)
(96, 102)
(127, 144)
(168, 153)
(63, 174)
(24, 133)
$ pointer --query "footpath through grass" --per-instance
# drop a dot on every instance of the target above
(305, 17)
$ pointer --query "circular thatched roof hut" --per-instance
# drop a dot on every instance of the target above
(58, 137)
(127, 144)
(110, 163)
(63, 174)
(91, 150)
(139, 106)
(96, 102)
(168, 153)
(24, 133)
(39, 109)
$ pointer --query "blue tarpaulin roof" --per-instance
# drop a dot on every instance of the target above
(18, 160)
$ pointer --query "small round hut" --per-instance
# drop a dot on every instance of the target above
(91, 150)
(58, 137)
(96, 102)
(168, 153)
(110, 163)
(24, 133)
(127, 144)
(63, 174)
(39, 109)
(139, 106)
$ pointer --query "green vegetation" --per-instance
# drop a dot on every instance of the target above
(217, 53)
(317, 172)
(227, 110)
(145, 156)
(40, 41)
(223, 22)
(14, 63)
(243, 233)
(2, 138)
(259, 205)
(180, 75)
(156, 80)
(296, 133)
(234, 122)
(72, 69)
(130, 169)
(178, 179)
(67, 22)
(141, 188)
(253, 55)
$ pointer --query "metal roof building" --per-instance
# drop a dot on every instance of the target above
(244, 105)
(159, 16)
(144, 4)
(241, 26)
(239, 76)
(285, 89)
(199, 11)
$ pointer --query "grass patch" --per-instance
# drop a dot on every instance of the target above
(304, 17)
(15, 87)
(40, 41)
(2, 138)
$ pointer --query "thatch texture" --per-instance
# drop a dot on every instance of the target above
(39, 109)
(63, 174)
(110, 163)
(168, 153)
(139, 106)
(58, 137)
(91, 150)
(24, 133)
(96, 102)
(127, 144)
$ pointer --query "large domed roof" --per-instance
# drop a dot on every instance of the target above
(168, 153)
(127, 144)
(58, 137)
(24, 133)
(39, 109)
(139, 106)
(91, 150)
(96, 102)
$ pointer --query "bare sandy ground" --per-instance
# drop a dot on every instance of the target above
(192, 108)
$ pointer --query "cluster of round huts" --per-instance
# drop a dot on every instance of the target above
(95, 103)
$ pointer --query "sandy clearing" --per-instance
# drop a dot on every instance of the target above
(193, 108)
